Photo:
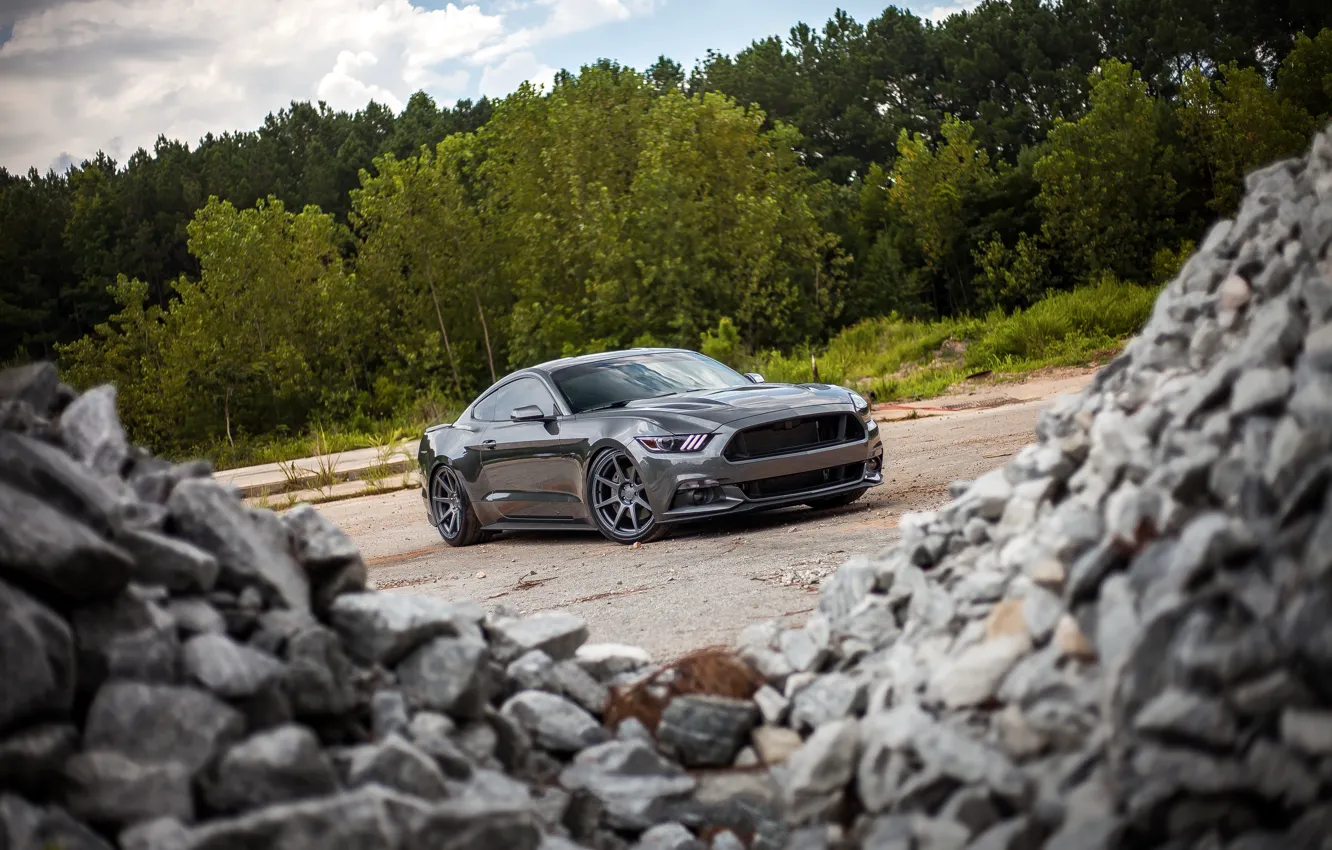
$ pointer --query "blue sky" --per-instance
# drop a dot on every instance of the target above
(78, 76)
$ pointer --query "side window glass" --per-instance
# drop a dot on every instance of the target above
(485, 409)
(533, 392)
(506, 400)
(522, 392)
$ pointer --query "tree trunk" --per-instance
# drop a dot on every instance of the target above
(448, 348)
(226, 415)
(814, 367)
(490, 355)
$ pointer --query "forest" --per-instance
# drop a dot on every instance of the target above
(352, 269)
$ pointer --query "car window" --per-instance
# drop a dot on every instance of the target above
(510, 397)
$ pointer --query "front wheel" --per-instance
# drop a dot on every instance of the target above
(839, 501)
(618, 502)
(454, 517)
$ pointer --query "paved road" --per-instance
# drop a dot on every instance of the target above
(700, 586)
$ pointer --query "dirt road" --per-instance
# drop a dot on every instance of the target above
(701, 585)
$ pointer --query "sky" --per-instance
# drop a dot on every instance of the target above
(79, 76)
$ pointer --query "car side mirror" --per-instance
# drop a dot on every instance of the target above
(754, 377)
(528, 413)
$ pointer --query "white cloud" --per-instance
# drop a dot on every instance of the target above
(82, 75)
(512, 71)
(939, 13)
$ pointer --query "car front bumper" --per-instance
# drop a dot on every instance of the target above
(729, 486)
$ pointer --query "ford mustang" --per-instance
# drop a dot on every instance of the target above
(631, 443)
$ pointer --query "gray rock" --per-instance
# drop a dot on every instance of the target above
(554, 722)
(706, 730)
(388, 713)
(194, 616)
(530, 671)
(1041, 610)
(105, 787)
(974, 676)
(802, 652)
(37, 665)
(91, 431)
(727, 840)
(24, 826)
(174, 564)
(827, 699)
(817, 772)
(32, 759)
(37, 384)
(384, 627)
(228, 669)
(555, 633)
(211, 518)
(319, 676)
(637, 787)
(318, 544)
(772, 705)
(156, 834)
(57, 552)
(1177, 713)
(845, 589)
(395, 763)
(276, 766)
(570, 679)
(1307, 730)
(605, 661)
(46, 473)
(433, 734)
(126, 637)
(1258, 389)
(188, 725)
(668, 836)
(447, 674)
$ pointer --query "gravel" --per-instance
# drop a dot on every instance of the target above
(1120, 639)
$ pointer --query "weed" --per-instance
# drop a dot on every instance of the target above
(325, 460)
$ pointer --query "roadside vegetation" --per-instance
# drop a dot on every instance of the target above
(907, 202)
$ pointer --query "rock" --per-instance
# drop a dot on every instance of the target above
(530, 671)
(384, 627)
(45, 472)
(827, 699)
(228, 669)
(637, 787)
(27, 827)
(319, 675)
(605, 661)
(1176, 713)
(90, 430)
(706, 730)
(57, 552)
(555, 633)
(318, 544)
(397, 764)
(174, 564)
(447, 674)
(37, 665)
(775, 744)
(974, 676)
(819, 770)
(211, 518)
(279, 765)
(772, 705)
(126, 637)
(1070, 639)
(570, 679)
(433, 735)
(36, 384)
(1041, 611)
(668, 836)
(1006, 620)
(554, 722)
(32, 759)
(105, 787)
(188, 726)
(388, 713)
(1308, 731)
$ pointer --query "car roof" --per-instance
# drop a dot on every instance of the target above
(552, 365)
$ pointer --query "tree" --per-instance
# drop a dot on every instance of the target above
(1235, 123)
(1305, 77)
(1107, 195)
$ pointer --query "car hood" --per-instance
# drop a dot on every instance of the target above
(720, 407)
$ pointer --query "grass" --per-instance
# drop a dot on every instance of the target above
(319, 441)
(899, 360)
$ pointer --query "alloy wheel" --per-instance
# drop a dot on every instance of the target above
(446, 502)
(618, 498)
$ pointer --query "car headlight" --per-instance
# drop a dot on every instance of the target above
(858, 400)
(675, 443)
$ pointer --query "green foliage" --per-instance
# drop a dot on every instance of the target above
(1017, 275)
(1235, 123)
(1107, 194)
(723, 344)
(1305, 77)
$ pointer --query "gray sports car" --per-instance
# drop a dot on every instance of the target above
(633, 442)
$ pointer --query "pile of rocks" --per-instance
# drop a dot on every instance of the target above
(1123, 638)
(181, 672)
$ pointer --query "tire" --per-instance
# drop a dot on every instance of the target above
(839, 501)
(452, 510)
(616, 501)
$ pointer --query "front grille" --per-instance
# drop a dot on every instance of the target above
(802, 482)
(794, 435)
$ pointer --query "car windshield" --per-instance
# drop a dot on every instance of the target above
(613, 383)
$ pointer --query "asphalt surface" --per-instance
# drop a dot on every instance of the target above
(703, 584)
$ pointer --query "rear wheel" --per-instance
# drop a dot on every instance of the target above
(839, 501)
(618, 502)
(454, 517)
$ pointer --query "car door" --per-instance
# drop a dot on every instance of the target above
(531, 470)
